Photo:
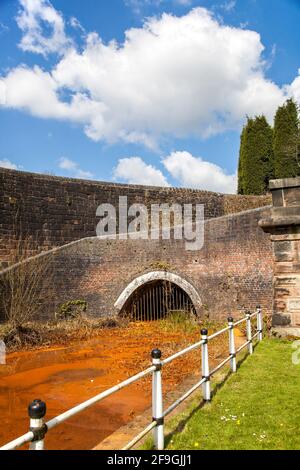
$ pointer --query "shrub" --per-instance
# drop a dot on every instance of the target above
(256, 157)
(25, 285)
(286, 141)
(71, 310)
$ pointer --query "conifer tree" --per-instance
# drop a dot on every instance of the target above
(256, 156)
(286, 141)
(241, 163)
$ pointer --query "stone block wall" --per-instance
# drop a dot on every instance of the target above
(283, 225)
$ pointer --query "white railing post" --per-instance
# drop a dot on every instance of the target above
(205, 365)
(249, 332)
(259, 323)
(157, 401)
(232, 350)
(36, 412)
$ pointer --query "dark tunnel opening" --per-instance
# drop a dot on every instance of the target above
(156, 300)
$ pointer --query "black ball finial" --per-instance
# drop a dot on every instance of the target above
(37, 409)
(204, 332)
(156, 354)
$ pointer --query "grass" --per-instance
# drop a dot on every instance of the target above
(179, 320)
(256, 408)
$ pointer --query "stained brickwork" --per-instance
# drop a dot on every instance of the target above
(55, 211)
(232, 272)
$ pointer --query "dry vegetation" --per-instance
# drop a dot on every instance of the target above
(33, 335)
(24, 287)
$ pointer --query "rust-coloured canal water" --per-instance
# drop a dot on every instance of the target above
(66, 376)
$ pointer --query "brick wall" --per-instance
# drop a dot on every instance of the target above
(233, 271)
(55, 211)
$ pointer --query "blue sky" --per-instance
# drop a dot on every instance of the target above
(141, 91)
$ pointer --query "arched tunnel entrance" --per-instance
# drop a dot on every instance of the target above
(156, 300)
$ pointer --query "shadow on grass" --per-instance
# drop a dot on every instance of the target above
(218, 386)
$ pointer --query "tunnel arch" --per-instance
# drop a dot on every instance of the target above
(153, 276)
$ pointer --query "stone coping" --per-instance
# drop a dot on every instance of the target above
(284, 183)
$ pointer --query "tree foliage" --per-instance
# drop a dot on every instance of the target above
(241, 188)
(266, 153)
(286, 141)
(256, 157)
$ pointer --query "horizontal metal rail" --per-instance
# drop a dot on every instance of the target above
(20, 441)
(222, 364)
(242, 347)
(181, 353)
(86, 404)
(255, 335)
(77, 409)
(218, 333)
(184, 397)
(140, 436)
(158, 414)
(239, 321)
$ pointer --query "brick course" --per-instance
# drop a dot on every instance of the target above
(55, 211)
(232, 272)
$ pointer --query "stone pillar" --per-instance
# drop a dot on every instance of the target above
(283, 224)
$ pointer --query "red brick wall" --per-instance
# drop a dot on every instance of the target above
(55, 211)
(233, 271)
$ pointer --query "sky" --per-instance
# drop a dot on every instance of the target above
(141, 91)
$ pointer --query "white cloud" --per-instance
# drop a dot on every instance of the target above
(184, 2)
(193, 172)
(138, 5)
(228, 6)
(187, 170)
(73, 169)
(2, 93)
(3, 28)
(173, 77)
(294, 88)
(134, 170)
(75, 23)
(31, 19)
(8, 164)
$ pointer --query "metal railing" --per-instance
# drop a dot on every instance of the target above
(37, 409)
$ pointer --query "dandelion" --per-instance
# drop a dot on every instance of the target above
(196, 444)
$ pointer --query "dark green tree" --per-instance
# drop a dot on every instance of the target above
(286, 141)
(241, 163)
(256, 156)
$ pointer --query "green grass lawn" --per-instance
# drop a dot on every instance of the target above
(256, 408)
